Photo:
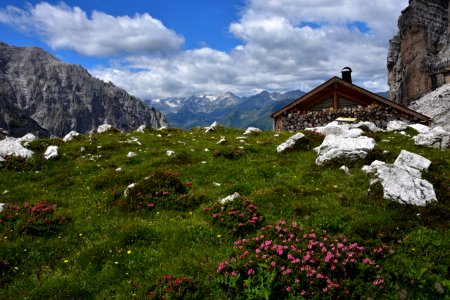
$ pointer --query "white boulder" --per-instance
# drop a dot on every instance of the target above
(170, 153)
(335, 148)
(131, 154)
(229, 198)
(221, 141)
(290, 142)
(2, 206)
(104, 128)
(369, 125)
(141, 129)
(419, 128)
(402, 181)
(12, 147)
(29, 137)
(51, 152)
(437, 138)
(396, 125)
(212, 127)
(70, 136)
(163, 127)
(345, 169)
(252, 130)
(127, 190)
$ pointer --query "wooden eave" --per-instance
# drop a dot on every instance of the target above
(349, 91)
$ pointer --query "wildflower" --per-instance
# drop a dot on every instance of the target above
(66, 261)
(219, 236)
(233, 274)
(378, 281)
(129, 252)
(251, 271)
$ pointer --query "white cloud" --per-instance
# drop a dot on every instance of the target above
(278, 51)
(61, 26)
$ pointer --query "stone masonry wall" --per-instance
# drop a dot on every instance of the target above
(376, 113)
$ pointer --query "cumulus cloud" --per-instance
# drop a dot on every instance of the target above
(285, 45)
(61, 26)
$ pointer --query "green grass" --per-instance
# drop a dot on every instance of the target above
(109, 251)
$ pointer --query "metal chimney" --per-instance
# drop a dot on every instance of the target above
(347, 74)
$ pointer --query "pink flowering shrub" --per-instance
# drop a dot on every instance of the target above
(162, 190)
(37, 219)
(171, 287)
(304, 262)
(240, 215)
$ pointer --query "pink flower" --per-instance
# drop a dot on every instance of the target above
(288, 289)
(233, 274)
(378, 281)
(251, 271)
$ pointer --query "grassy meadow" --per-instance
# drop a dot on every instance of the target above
(92, 242)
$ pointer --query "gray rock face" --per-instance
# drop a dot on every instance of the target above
(47, 96)
(437, 138)
(419, 55)
(435, 105)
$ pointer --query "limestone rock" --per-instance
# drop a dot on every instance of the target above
(435, 105)
(402, 181)
(419, 128)
(338, 147)
(290, 142)
(170, 153)
(418, 58)
(437, 138)
(131, 154)
(45, 96)
(212, 127)
(27, 138)
(229, 198)
(70, 136)
(396, 126)
(12, 147)
(141, 129)
(51, 152)
(252, 130)
(104, 128)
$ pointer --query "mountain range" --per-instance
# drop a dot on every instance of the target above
(227, 109)
(40, 94)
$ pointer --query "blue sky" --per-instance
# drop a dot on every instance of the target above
(162, 48)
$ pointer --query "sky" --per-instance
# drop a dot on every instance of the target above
(175, 48)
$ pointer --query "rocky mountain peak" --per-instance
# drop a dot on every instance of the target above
(42, 94)
(419, 55)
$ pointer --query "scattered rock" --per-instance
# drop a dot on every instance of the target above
(118, 170)
(290, 142)
(335, 148)
(70, 136)
(212, 127)
(170, 153)
(2, 206)
(420, 128)
(127, 190)
(163, 127)
(216, 184)
(131, 154)
(437, 138)
(104, 128)
(141, 129)
(13, 147)
(367, 126)
(402, 181)
(51, 152)
(221, 141)
(229, 198)
(252, 130)
(396, 125)
(27, 138)
(345, 169)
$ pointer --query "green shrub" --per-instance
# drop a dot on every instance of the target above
(291, 261)
(241, 215)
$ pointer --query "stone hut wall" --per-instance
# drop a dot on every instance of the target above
(376, 113)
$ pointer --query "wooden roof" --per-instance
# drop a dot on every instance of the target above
(350, 91)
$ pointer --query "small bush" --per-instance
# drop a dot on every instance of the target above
(291, 261)
(240, 215)
(163, 190)
(171, 287)
(37, 219)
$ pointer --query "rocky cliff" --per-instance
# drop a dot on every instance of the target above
(43, 95)
(419, 55)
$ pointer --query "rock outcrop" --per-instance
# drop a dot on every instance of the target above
(435, 105)
(45, 96)
(419, 55)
